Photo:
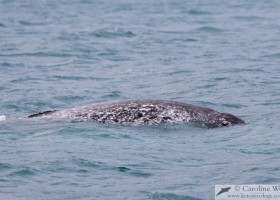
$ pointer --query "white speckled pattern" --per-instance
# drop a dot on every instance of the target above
(141, 112)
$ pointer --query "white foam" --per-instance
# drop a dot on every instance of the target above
(2, 117)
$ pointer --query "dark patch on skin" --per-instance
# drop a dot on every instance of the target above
(41, 113)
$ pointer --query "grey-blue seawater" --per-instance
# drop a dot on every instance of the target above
(59, 54)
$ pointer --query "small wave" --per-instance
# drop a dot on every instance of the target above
(248, 18)
(132, 172)
(27, 23)
(87, 165)
(112, 95)
(2, 25)
(209, 29)
(111, 33)
(179, 72)
(63, 63)
(5, 64)
(272, 56)
(234, 105)
(5, 166)
(198, 12)
(37, 54)
(24, 172)
(189, 40)
(167, 196)
(2, 117)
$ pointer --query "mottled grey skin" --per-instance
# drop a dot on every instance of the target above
(142, 112)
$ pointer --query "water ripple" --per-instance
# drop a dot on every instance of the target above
(64, 54)
(105, 167)
(209, 29)
(24, 172)
(272, 56)
(170, 196)
(198, 12)
(38, 54)
(112, 33)
(5, 166)
(28, 23)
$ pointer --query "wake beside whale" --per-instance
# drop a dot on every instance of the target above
(144, 112)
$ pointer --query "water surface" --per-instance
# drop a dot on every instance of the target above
(65, 54)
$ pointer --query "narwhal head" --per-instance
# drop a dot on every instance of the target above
(224, 119)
